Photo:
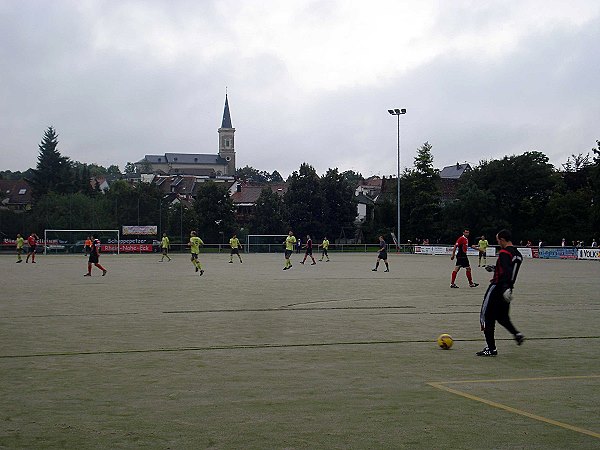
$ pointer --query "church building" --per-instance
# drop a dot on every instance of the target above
(221, 164)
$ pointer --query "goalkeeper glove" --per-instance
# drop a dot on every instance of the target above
(508, 295)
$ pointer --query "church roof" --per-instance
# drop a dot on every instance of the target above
(226, 116)
(185, 158)
(194, 158)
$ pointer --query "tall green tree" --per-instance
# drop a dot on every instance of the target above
(420, 197)
(304, 202)
(354, 178)
(518, 188)
(215, 211)
(53, 172)
(339, 207)
(251, 174)
(269, 213)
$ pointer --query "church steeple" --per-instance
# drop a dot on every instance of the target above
(226, 141)
(226, 116)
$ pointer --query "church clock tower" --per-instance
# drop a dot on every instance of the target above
(226, 141)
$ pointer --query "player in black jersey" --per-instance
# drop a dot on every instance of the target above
(496, 302)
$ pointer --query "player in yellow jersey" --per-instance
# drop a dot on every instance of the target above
(482, 246)
(235, 245)
(194, 244)
(20, 242)
(165, 243)
(325, 247)
(290, 241)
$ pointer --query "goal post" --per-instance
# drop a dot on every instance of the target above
(265, 243)
(73, 241)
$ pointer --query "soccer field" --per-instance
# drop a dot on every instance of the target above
(329, 356)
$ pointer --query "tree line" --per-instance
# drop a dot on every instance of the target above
(524, 193)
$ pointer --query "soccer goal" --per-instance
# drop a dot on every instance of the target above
(73, 241)
(265, 243)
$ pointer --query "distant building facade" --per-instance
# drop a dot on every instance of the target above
(15, 195)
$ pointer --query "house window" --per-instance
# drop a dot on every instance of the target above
(22, 191)
(195, 159)
(228, 158)
(226, 142)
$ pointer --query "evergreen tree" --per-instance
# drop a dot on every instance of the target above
(420, 197)
(53, 172)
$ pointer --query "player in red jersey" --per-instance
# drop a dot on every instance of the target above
(32, 242)
(460, 251)
(94, 258)
(309, 248)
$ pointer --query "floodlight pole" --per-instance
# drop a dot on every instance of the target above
(398, 112)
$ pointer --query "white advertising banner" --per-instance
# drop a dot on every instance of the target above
(588, 253)
(140, 230)
(526, 252)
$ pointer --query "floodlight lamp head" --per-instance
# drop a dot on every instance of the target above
(391, 111)
(403, 111)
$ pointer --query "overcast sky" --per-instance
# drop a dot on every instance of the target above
(308, 81)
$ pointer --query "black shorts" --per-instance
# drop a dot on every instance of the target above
(462, 261)
(194, 256)
(382, 255)
(32, 248)
(308, 251)
(94, 258)
(235, 251)
(288, 253)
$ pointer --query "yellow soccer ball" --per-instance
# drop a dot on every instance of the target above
(445, 341)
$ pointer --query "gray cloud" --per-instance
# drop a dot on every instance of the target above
(116, 90)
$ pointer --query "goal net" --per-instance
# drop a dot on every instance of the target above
(73, 241)
(265, 243)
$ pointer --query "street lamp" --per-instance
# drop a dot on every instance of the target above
(398, 112)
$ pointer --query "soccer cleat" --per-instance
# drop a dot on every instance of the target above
(474, 285)
(88, 275)
(285, 268)
(373, 270)
(104, 272)
(487, 352)
(197, 269)
(19, 261)
(230, 262)
(519, 338)
(314, 264)
(453, 286)
(201, 272)
(386, 270)
(301, 262)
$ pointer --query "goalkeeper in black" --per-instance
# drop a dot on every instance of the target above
(496, 302)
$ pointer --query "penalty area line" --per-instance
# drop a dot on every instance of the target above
(440, 385)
